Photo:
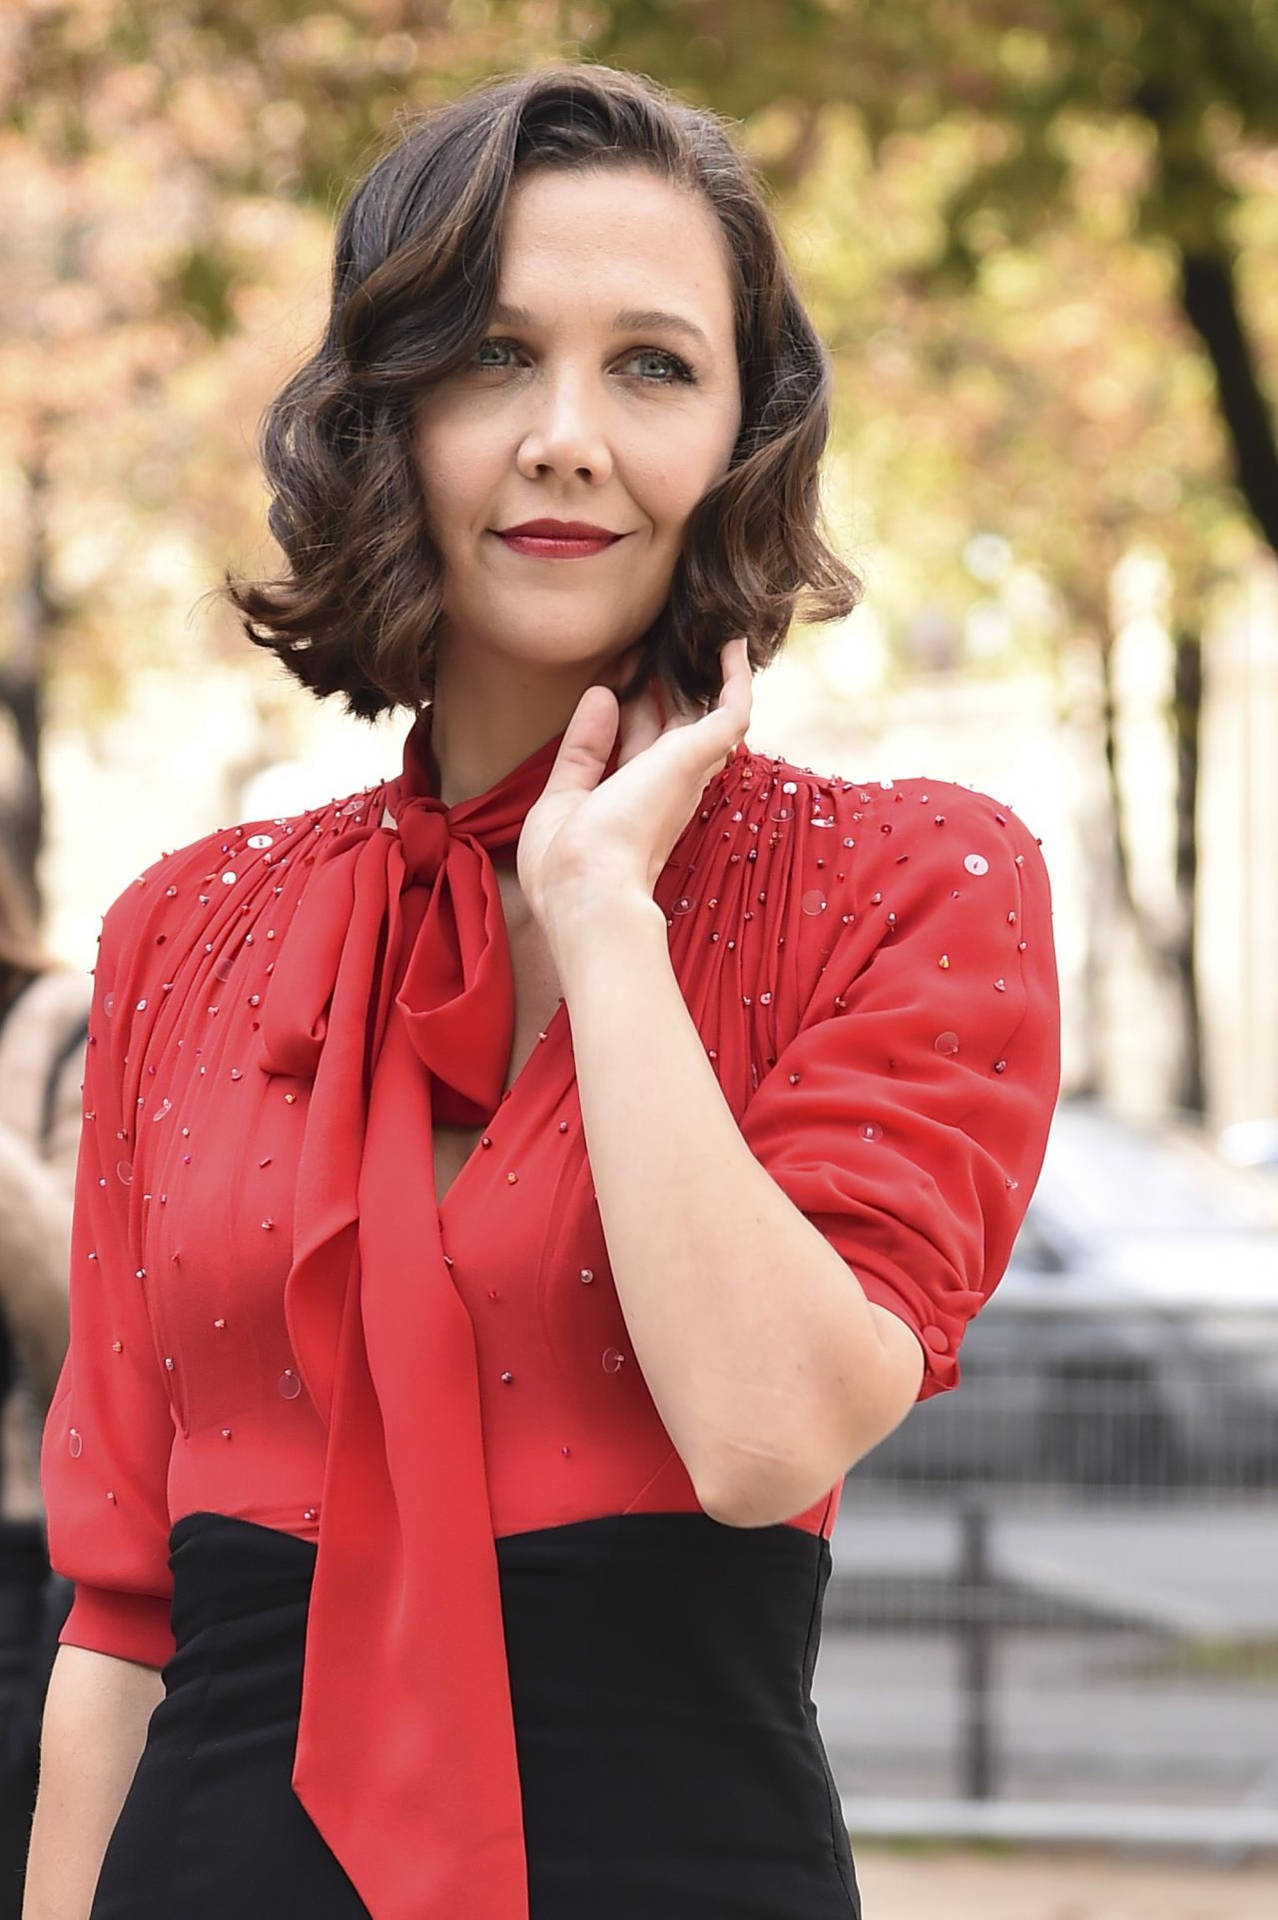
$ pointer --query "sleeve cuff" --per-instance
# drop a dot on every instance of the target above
(939, 1342)
(131, 1626)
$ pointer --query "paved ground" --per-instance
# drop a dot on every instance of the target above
(959, 1883)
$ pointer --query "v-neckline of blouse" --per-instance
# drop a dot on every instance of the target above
(539, 1051)
(559, 1016)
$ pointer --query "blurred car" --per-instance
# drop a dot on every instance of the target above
(1252, 1143)
(1133, 1339)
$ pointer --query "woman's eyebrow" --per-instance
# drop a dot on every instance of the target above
(628, 318)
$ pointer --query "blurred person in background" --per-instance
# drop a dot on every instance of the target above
(44, 1007)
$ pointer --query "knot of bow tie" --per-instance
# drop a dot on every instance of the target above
(424, 834)
(406, 912)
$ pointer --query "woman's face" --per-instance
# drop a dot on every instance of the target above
(576, 409)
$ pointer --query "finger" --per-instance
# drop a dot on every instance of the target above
(586, 745)
(736, 694)
(735, 654)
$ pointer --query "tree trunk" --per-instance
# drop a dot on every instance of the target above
(1187, 707)
(32, 620)
(1210, 301)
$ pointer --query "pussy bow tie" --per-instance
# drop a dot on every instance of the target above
(397, 960)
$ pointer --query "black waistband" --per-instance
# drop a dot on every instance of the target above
(226, 1568)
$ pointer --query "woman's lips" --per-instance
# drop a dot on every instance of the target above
(543, 548)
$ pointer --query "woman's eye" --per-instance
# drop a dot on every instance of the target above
(678, 370)
(488, 343)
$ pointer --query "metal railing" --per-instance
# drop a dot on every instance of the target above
(1054, 1602)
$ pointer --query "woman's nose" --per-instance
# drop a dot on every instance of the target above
(567, 420)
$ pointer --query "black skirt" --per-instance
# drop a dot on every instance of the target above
(670, 1763)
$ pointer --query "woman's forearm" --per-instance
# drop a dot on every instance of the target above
(763, 1356)
(95, 1724)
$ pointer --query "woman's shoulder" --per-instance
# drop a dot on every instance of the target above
(935, 827)
(890, 882)
(174, 890)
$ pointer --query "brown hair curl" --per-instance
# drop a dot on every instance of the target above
(415, 272)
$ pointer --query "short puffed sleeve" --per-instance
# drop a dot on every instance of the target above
(907, 1117)
(109, 1432)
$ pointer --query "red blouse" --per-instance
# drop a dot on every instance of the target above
(271, 1319)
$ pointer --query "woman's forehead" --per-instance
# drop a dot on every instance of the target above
(618, 243)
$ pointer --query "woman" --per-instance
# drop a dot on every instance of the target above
(43, 1009)
(478, 1535)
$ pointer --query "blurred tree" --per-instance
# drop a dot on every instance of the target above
(1054, 413)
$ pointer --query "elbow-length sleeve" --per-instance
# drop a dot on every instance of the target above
(907, 1117)
(109, 1431)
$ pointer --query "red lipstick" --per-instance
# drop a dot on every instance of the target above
(558, 539)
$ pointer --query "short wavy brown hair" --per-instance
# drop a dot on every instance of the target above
(415, 272)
